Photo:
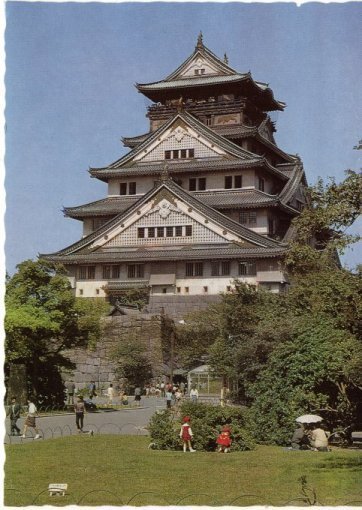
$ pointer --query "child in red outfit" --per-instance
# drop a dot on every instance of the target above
(186, 434)
(224, 439)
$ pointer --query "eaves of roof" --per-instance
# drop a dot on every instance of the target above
(228, 199)
(209, 212)
(182, 252)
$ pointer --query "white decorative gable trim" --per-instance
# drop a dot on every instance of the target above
(164, 208)
(180, 135)
(202, 66)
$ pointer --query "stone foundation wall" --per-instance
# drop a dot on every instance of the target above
(96, 364)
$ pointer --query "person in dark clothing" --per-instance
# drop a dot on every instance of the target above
(14, 414)
(300, 439)
(79, 409)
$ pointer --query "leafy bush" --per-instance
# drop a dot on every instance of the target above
(206, 422)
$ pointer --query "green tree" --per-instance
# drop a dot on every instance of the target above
(42, 320)
(316, 369)
(133, 363)
(322, 229)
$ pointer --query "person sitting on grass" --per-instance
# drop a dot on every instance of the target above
(300, 439)
(224, 439)
(186, 434)
(319, 439)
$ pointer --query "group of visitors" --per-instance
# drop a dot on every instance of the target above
(159, 389)
(30, 420)
(310, 437)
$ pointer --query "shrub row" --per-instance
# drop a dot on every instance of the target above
(206, 423)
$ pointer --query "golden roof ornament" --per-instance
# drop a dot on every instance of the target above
(164, 174)
(180, 105)
(226, 60)
(200, 43)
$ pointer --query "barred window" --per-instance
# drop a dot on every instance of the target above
(194, 268)
(247, 268)
(178, 231)
(225, 268)
(192, 184)
(238, 181)
(261, 183)
(160, 232)
(188, 230)
(214, 268)
(151, 231)
(167, 154)
(132, 188)
(123, 188)
(86, 272)
(141, 232)
(228, 182)
(116, 270)
(169, 231)
(247, 217)
(106, 272)
(202, 183)
(135, 271)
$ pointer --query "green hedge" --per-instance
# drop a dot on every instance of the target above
(206, 423)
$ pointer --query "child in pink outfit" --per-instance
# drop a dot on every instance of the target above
(186, 434)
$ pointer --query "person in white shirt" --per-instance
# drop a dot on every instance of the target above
(194, 394)
(110, 394)
(30, 419)
(319, 439)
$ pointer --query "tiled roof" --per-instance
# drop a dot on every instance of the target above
(209, 212)
(292, 185)
(176, 167)
(193, 252)
(218, 199)
(106, 206)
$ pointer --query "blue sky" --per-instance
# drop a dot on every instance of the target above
(70, 95)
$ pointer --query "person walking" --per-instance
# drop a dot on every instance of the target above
(137, 396)
(110, 395)
(14, 414)
(70, 387)
(92, 390)
(30, 420)
(168, 395)
(186, 434)
(79, 409)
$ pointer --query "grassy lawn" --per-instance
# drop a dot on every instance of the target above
(119, 470)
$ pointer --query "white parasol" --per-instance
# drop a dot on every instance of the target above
(309, 418)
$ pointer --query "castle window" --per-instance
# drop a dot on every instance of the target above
(192, 184)
(199, 71)
(160, 232)
(202, 183)
(188, 230)
(127, 188)
(97, 292)
(178, 290)
(178, 231)
(106, 272)
(225, 268)
(194, 268)
(228, 181)
(169, 231)
(248, 218)
(247, 269)
(81, 292)
(135, 271)
(238, 181)
(186, 290)
(261, 183)
(206, 290)
(220, 268)
(233, 181)
(87, 272)
(180, 154)
(141, 232)
(151, 232)
(116, 271)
